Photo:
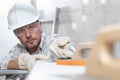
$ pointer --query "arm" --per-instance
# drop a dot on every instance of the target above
(61, 47)
(18, 60)
(13, 64)
(9, 63)
(10, 60)
(52, 46)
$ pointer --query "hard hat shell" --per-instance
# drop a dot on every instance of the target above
(21, 15)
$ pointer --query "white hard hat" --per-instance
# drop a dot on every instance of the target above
(21, 15)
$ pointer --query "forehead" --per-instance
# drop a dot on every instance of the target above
(25, 26)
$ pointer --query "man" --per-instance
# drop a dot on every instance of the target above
(23, 19)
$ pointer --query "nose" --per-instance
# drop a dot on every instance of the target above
(27, 33)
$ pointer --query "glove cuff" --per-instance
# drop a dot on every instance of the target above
(63, 41)
(21, 62)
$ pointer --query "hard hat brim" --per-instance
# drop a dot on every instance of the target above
(13, 27)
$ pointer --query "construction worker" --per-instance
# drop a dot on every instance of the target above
(34, 45)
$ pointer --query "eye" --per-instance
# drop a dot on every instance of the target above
(19, 31)
(31, 27)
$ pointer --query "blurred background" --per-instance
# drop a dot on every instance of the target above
(78, 19)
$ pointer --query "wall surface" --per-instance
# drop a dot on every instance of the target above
(7, 38)
(79, 19)
(82, 19)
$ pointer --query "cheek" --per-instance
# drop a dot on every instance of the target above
(38, 35)
(39, 32)
(22, 40)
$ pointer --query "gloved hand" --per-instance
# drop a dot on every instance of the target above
(27, 61)
(61, 48)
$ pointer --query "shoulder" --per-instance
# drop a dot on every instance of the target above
(47, 39)
(17, 48)
(51, 36)
(19, 45)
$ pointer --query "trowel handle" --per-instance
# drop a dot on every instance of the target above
(81, 48)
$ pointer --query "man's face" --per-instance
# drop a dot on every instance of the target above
(30, 35)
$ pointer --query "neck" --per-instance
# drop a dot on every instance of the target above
(34, 49)
(31, 50)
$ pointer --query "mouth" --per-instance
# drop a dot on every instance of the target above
(30, 41)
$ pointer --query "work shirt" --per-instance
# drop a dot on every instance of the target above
(19, 48)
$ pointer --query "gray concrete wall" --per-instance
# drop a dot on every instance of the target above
(79, 19)
(82, 19)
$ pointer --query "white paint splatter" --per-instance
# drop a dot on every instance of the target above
(103, 1)
(74, 26)
(84, 18)
(86, 1)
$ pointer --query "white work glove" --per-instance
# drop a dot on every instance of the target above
(27, 61)
(61, 48)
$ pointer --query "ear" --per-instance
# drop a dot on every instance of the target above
(40, 26)
(17, 37)
(15, 34)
